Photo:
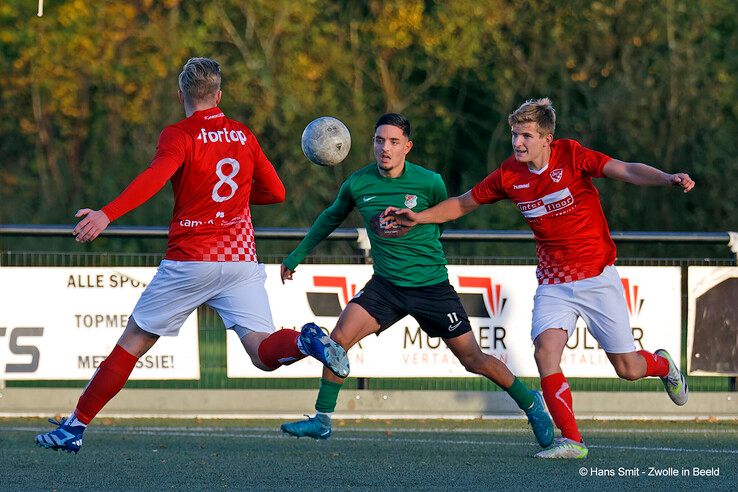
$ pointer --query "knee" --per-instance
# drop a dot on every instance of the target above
(543, 354)
(338, 336)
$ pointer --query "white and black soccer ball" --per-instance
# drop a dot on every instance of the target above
(326, 141)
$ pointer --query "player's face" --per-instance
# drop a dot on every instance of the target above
(390, 148)
(529, 145)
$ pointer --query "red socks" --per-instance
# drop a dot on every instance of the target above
(655, 364)
(280, 348)
(107, 381)
(558, 400)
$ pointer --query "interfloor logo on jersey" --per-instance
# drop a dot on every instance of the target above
(477, 305)
(330, 303)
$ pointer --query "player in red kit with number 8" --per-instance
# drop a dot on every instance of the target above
(217, 170)
(550, 181)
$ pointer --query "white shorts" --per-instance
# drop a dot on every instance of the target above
(599, 301)
(234, 289)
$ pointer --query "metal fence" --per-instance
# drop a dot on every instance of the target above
(212, 333)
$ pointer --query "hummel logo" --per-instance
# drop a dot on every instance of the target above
(521, 186)
(454, 326)
(367, 198)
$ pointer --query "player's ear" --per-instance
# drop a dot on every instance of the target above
(180, 96)
(217, 97)
(408, 146)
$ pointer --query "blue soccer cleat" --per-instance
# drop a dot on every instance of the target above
(540, 421)
(318, 427)
(66, 437)
(320, 346)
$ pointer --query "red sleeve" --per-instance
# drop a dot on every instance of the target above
(490, 189)
(267, 188)
(588, 161)
(170, 154)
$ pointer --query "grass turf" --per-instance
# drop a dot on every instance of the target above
(361, 455)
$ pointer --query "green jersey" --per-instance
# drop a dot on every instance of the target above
(413, 260)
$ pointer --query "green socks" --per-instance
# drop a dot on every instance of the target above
(328, 396)
(518, 392)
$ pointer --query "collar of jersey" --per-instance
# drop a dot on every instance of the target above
(538, 172)
(207, 112)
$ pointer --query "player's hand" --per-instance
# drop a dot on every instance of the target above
(401, 217)
(683, 180)
(93, 223)
(285, 272)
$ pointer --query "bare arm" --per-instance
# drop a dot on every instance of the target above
(644, 175)
(447, 210)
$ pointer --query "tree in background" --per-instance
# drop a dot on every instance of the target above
(87, 85)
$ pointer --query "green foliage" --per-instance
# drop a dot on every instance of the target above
(88, 87)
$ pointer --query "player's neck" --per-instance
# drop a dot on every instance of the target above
(192, 109)
(541, 162)
(395, 172)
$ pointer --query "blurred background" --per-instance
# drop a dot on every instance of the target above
(88, 87)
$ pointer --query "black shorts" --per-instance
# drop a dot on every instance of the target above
(437, 308)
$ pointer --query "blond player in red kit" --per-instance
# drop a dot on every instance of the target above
(550, 181)
(217, 170)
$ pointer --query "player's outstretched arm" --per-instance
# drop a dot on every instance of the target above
(645, 175)
(93, 223)
(447, 210)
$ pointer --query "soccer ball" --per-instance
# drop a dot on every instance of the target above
(326, 141)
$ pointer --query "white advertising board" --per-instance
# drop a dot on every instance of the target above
(61, 323)
(498, 300)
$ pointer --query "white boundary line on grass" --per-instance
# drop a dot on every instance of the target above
(340, 416)
(178, 432)
(399, 430)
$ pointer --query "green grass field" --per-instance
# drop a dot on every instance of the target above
(397, 455)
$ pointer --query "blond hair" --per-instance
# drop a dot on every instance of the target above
(200, 79)
(538, 111)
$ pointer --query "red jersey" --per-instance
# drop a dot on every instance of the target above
(562, 206)
(217, 168)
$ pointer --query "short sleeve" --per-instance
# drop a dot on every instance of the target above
(589, 162)
(490, 189)
(440, 193)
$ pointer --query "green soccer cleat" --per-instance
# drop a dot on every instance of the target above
(318, 427)
(564, 448)
(675, 383)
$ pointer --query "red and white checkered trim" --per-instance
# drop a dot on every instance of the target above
(559, 275)
(237, 244)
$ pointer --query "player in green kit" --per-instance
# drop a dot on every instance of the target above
(410, 276)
